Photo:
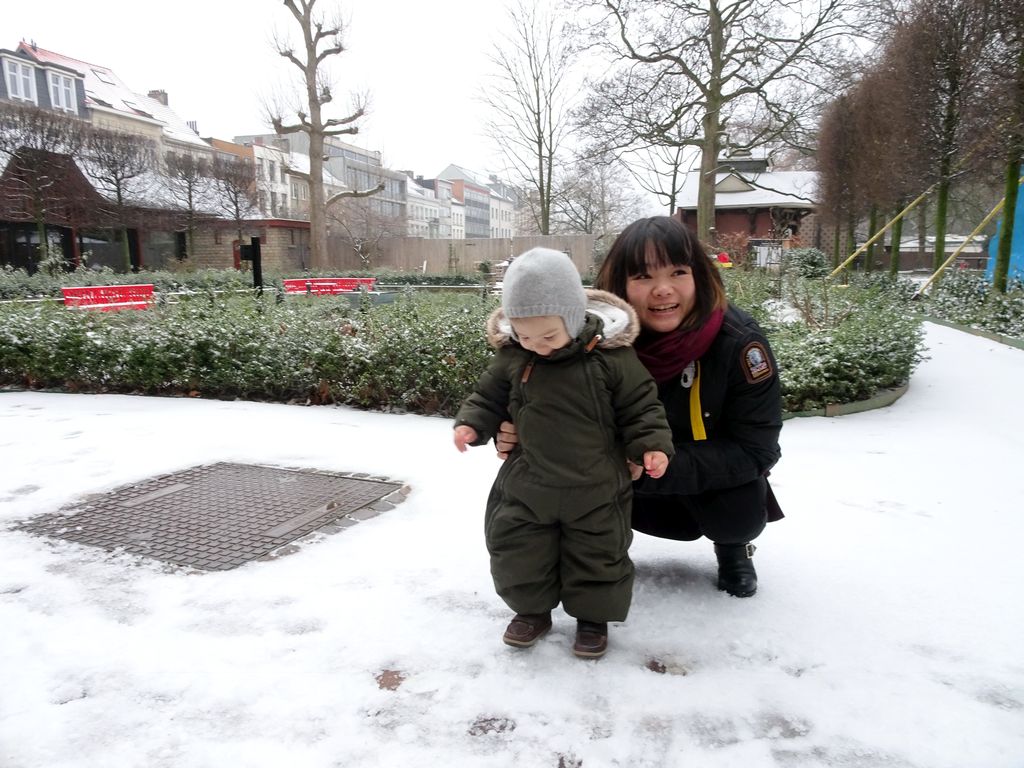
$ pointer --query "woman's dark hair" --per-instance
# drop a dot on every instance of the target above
(673, 244)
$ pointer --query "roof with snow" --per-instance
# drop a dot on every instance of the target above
(299, 163)
(792, 189)
(104, 90)
(413, 189)
(454, 172)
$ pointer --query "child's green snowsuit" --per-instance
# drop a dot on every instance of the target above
(557, 523)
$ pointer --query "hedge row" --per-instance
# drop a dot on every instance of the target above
(420, 354)
(18, 284)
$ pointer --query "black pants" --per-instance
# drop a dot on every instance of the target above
(726, 516)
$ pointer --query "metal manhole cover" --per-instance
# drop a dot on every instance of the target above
(219, 516)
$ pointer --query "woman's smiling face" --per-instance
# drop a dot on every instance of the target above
(663, 295)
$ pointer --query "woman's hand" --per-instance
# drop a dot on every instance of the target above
(506, 440)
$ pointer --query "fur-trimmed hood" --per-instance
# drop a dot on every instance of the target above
(620, 323)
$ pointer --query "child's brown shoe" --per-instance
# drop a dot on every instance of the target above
(525, 629)
(591, 639)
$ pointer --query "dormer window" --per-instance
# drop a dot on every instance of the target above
(62, 93)
(21, 81)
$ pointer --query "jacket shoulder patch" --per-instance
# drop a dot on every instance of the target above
(757, 365)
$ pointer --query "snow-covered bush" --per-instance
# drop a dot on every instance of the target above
(867, 343)
(966, 297)
(421, 354)
(807, 262)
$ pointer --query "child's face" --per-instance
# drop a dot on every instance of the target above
(542, 335)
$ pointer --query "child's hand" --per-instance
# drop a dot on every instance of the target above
(465, 436)
(635, 470)
(655, 462)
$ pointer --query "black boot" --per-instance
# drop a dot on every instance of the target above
(736, 574)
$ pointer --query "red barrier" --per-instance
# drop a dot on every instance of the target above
(328, 285)
(108, 297)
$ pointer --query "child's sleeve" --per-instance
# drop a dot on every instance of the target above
(487, 406)
(639, 414)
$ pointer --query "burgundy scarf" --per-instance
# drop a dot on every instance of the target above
(665, 355)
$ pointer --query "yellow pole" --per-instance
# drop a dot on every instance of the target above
(882, 231)
(963, 160)
(984, 222)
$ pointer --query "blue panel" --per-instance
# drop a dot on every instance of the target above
(1016, 271)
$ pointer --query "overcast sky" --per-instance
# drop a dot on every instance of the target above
(422, 64)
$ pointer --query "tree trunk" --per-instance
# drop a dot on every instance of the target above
(851, 238)
(126, 251)
(672, 190)
(941, 208)
(706, 184)
(922, 231)
(1000, 271)
(869, 254)
(835, 246)
(44, 242)
(949, 124)
(711, 124)
(895, 236)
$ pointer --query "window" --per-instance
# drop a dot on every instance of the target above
(62, 93)
(21, 84)
(136, 108)
(181, 245)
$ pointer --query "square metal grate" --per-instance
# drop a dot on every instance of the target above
(219, 516)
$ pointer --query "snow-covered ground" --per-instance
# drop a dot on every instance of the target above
(888, 630)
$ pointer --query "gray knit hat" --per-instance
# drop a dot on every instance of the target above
(544, 282)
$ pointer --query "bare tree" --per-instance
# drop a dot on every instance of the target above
(886, 125)
(839, 157)
(597, 199)
(234, 179)
(120, 164)
(530, 101)
(710, 66)
(188, 180)
(363, 221)
(322, 39)
(941, 47)
(661, 169)
(38, 147)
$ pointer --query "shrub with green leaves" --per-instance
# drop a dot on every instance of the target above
(421, 354)
(848, 344)
(967, 298)
(807, 262)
